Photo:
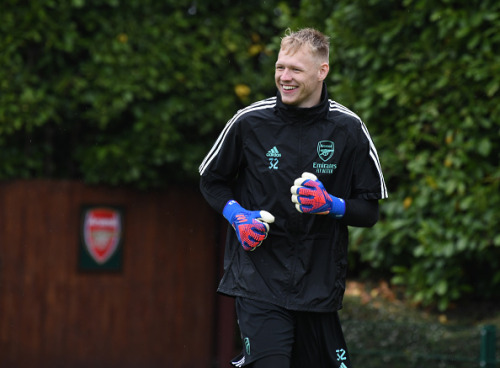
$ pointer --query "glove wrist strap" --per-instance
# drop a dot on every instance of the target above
(231, 209)
(338, 207)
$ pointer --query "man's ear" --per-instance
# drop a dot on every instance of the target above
(323, 71)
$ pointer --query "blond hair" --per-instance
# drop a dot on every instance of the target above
(318, 43)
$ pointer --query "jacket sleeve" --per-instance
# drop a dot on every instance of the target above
(360, 213)
(368, 186)
(216, 192)
(221, 166)
(368, 180)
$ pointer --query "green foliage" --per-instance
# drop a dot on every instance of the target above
(125, 92)
(135, 92)
(412, 345)
(425, 77)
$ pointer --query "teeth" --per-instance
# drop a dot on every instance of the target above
(288, 88)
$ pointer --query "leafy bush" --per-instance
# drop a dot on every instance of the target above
(425, 78)
(125, 92)
(135, 92)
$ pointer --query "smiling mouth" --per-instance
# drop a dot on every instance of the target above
(289, 88)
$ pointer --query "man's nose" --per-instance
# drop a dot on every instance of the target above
(286, 74)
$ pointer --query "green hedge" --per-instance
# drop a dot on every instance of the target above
(124, 92)
(425, 76)
(135, 92)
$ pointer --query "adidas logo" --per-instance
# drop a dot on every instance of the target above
(273, 152)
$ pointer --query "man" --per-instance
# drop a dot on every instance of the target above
(290, 173)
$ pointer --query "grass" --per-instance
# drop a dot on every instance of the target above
(383, 329)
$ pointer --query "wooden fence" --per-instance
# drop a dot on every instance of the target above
(159, 310)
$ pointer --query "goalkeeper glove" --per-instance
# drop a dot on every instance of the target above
(310, 196)
(251, 226)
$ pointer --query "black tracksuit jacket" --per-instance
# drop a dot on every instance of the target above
(261, 151)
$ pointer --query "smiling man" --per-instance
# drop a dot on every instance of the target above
(290, 174)
(301, 68)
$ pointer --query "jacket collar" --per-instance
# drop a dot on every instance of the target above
(303, 114)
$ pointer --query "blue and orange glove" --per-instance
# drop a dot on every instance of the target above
(251, 227)
(310, 196)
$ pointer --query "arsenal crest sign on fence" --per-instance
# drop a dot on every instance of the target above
(101, 233)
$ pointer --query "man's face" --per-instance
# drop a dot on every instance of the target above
(299, 77)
